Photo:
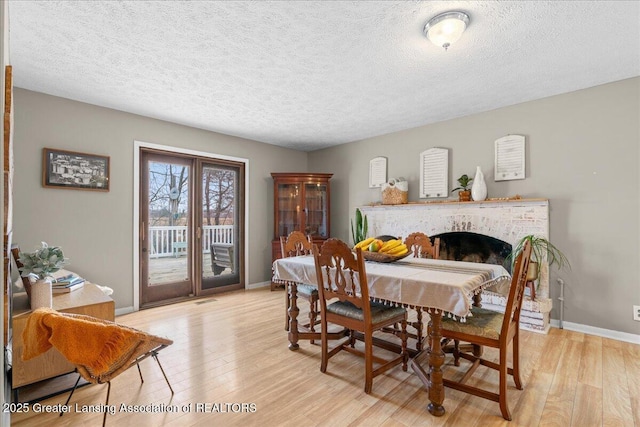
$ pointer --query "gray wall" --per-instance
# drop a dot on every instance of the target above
(95, 229)
(582, 153)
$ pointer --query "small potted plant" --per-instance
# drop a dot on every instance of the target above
(39, 265)
(541, 250)
(465, 193)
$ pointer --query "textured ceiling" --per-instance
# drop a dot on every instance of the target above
(313, 74)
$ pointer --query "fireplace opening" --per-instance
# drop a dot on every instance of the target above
(473, 247)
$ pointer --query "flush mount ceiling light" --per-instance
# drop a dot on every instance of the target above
(446, 28)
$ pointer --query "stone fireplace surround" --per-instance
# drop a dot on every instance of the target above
(507, 220)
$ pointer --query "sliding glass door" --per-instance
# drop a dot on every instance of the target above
(219, 224)
(166, 228)
(191, 227)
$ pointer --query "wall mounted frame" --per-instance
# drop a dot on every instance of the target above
(510, 158)
(434, 173)
(377, 172)
(70, 169)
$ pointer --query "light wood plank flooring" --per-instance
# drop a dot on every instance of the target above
(231, 349)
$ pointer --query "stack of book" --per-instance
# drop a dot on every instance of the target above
(67, 283)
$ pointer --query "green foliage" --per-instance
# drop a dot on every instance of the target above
(41, 263)
(360, 228)
(541, 249)
(464, 181)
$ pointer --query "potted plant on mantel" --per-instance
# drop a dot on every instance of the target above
(465, 193)
(541, 250)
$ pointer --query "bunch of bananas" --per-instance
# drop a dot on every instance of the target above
(393, 247)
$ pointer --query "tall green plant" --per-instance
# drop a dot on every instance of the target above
(360, 228)
(541, 249)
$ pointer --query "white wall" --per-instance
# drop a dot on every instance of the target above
(582, 154)
(95, 229)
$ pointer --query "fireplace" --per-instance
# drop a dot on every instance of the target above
(473, 247)
(478, 232)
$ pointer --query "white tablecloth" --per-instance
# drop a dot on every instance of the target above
(443, 285)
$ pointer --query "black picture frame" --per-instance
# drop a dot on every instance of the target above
(74, 170)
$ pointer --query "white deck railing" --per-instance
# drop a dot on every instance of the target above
(162, 239)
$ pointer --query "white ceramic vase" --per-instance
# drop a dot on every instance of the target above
(479, 187)
(41, 294)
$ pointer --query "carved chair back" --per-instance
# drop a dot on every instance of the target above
(295, 244)
(341, 275)
(421, 246)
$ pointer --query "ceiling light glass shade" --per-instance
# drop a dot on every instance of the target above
(445, 29)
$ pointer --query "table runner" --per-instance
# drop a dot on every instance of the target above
(442, 285)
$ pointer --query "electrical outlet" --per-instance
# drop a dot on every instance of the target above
(636, 312)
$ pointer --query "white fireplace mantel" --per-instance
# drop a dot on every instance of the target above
(507, 220)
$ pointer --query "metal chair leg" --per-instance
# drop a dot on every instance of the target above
(140, 372)
(155, 356)
(106, 404)
(71, 394)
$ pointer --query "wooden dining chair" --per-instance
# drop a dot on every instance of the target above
(344, 301)
(421, 246)
(297, 244)
(492, 329)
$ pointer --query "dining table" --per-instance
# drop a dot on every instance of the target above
(438, 287)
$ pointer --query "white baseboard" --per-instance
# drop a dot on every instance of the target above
(124, 310)
(591, 330)
(258, 285)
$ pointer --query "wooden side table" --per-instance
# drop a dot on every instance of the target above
(89, 300)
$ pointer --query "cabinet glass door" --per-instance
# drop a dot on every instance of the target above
(316, 210)
(288, 208)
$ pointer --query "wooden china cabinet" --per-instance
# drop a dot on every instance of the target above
(301, 202)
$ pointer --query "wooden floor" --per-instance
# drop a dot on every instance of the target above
(230, 355)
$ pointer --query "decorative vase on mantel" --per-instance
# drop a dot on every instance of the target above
(479, 187)
(41, 294)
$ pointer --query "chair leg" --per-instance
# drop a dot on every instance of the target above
(456, 352)
(325, 348)
(71, 394)
(155, 356)
(106, 404)
(140, 373)
(368, 362)
(352, 338)
(286, 311)
(419, 330)
(502, 395)
(405, 353)
(516, 361)
(313, 313)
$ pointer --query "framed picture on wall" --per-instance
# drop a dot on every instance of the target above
(70, 169)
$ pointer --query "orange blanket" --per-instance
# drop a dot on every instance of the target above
(95, 345)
